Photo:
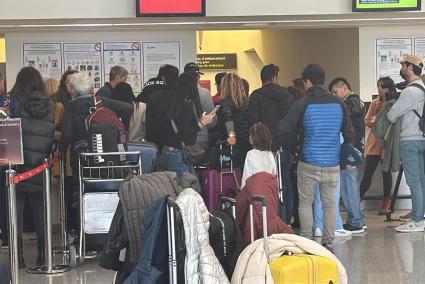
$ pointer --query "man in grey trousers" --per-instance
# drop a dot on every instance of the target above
(314, 124)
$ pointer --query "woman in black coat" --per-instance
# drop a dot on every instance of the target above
(233, 122)
(37, 113)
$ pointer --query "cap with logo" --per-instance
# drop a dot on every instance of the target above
(412, 59)
(192, 68)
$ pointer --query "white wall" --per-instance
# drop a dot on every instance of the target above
(54, 9)
(14, 43)
(367, 39)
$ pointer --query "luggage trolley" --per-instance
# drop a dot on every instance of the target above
(99, 182)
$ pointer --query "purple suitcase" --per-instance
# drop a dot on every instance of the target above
(214, 182)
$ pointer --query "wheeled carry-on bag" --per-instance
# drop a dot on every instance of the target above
(217, 183)
(149, 155)
(297, 268)
(225, 236)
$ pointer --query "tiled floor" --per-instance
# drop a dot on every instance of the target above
(379, 256)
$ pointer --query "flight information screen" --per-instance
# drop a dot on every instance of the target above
(170, 8)
(386, 5)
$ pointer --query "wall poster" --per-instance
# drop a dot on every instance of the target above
(388, 53)
(156, 54)
(45, 57)
(84, 57)
(127, 55)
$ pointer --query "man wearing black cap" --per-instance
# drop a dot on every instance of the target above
(206, 102)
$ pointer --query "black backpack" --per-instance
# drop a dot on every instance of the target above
(226, 240)
(421, 117)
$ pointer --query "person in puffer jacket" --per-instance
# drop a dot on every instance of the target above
(37, 113)
(233, 122)
(317, 121)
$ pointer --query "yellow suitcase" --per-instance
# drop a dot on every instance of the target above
(297, 268)
(304, 269)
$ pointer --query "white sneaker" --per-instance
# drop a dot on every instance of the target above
(342, 233)
(410, 226)
(317, 232)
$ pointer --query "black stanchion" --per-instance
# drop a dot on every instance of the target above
(48, 267)
(13, 226)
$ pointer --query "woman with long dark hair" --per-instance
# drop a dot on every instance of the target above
(64, 94)
(37, 113)
(184, 108)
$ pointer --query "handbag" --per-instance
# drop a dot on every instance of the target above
(194, 155)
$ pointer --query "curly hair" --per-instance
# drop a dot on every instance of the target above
(261, 138)
(232, 86)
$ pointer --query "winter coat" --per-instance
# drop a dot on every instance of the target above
(252, 266)
(105, 91)
(269, 104)
(38, 132)
(315, 123)
(137, 193)
(389, 134)
(153, 262)
(260, 184)
(202, 266)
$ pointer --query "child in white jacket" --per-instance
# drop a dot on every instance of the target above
(259, 159)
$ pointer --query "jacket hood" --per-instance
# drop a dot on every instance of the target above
(318, 91)
(81, 105)
(273, 92)
(38, 106)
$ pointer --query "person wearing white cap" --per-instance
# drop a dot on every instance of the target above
(412, 140)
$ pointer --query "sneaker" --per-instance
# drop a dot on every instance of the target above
(353, 229)
(411, 226)
(406, 217)
(341, 233)
(364, 226)
(317, 232)
(328, 246)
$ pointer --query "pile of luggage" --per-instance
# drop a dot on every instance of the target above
(163, 231)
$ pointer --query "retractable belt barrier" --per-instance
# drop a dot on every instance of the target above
(35, 171)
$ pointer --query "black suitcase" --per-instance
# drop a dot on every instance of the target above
(225, 235)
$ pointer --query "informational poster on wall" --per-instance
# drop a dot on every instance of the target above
(45, 57)
(156, 54)
(127, 55)
(86, 58)
(420, 46)
(388, 53)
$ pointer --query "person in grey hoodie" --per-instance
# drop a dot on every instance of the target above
(412, 140)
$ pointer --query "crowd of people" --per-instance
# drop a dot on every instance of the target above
(317, 130)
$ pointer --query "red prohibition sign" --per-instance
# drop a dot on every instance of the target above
(97, 46)
(135, 45)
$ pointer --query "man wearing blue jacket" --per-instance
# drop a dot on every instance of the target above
(314, 124)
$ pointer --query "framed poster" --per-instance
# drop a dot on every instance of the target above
(45, 57)
(127, 55)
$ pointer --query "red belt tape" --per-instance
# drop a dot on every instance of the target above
(35, 171)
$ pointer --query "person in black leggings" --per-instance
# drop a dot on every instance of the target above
(373, 147)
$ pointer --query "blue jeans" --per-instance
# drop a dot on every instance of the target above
(171, 159)
(288, 190)
(412, 154)
(350, 194)
(318, 209)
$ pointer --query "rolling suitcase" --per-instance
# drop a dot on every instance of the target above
(281, 207)
(215, 183)
(225, 236)
(149, 155)
(294, 269)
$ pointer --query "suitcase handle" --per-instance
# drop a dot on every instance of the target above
(263, 200)
(227, 200)
(279, 175)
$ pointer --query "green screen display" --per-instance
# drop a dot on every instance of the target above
(386, 5)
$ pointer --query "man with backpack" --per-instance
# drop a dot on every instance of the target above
(350, 189)
(409, 107)
(314, 124)
(269, 104)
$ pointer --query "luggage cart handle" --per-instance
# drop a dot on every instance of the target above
(229, 200)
